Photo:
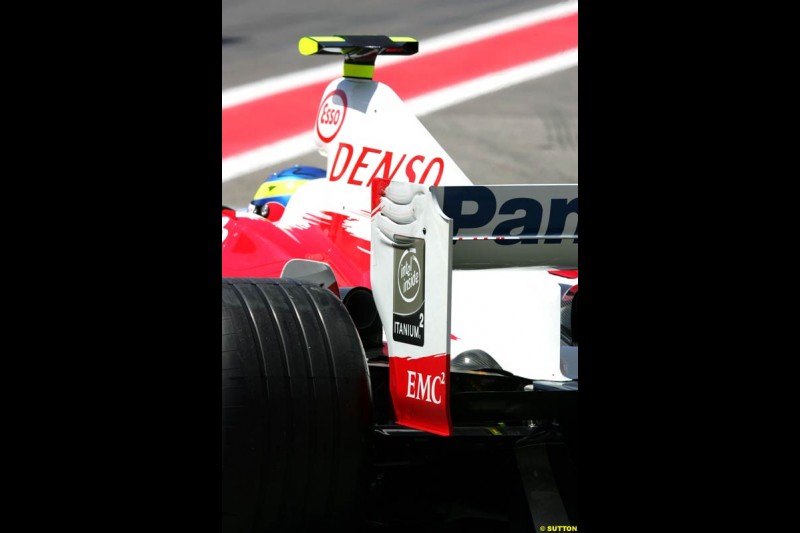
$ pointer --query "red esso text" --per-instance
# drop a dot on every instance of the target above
(371, 163)
(330, 116)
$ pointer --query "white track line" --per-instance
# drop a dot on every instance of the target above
(303, 144)
(467, 90)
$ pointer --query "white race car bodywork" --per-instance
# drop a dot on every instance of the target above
(486, 253)
(513, 314)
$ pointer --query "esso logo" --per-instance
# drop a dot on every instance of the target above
(331, 115)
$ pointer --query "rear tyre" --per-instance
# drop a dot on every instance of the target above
(296, 409)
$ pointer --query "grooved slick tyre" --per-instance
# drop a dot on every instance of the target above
(296, 409)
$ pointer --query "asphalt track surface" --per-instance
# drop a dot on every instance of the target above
(526, 133)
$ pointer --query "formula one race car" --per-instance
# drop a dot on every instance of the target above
(387, 326)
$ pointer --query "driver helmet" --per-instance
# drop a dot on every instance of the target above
(273, 194)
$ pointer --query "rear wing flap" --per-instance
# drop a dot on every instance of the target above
(512, 225)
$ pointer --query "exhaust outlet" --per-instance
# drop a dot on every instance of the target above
(361, 305)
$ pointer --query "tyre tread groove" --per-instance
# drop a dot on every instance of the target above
(311, 382)
(297, 409)
(334, 462)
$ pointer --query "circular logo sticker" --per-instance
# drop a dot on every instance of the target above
(409, 276)
(330, 116)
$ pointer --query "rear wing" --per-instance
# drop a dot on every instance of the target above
(419, 234)
(512, 225)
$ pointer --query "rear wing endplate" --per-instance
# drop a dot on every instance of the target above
(418, 235)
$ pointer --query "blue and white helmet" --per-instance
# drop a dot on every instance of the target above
(273, 194)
